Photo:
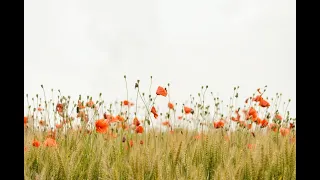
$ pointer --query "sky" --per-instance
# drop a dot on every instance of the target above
(86, 47)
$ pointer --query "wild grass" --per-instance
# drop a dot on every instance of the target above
(177, 155)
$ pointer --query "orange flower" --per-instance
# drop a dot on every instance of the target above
(119, 118)
(257, 98)
(101, 126)
(188, 110)
(291, 125)
(253, 113)
(136, 121)
(90, 103)
(198, 136)
(131, 143)
(141, 142)
(126, 102)
(264, 103)
(284, 131)
(25, 120)
(80, 105)
(35, 143)
(154, 112)
(59, 108)
(218, 124)
(251, 146)
(58, 126)
(226, 138)
(279, 117)
(273, 127)
(139, 129)
(161, 91)
(237, 119)
(170, 105)
(249, 126)
(166, 123)
(264, 123)
(258, 121)
(50, 142)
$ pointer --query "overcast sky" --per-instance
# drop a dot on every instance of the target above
(85, 47)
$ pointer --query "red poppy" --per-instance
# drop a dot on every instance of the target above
(188, 110)
(50, 142)
(264, 123)
(35, 143)
(25, 120)
(126, 102)
(59, 107)
(154, 112)
(161, 91)
(279, 117)
(136, 122)
(264, 103)
(139, 129)
(170, 105)
(101, 126)
(284, 131)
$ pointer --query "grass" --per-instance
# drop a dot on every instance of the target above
(177, 155)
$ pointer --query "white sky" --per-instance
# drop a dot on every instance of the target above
(85, 47)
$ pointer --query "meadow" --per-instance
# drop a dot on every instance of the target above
(88, 139)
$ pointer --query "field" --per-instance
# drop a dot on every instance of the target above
(89, 140)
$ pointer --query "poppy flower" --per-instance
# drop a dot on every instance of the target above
(58, 126)
(257, 98)
(154, 112)
(188, 110)
(264, 123)
(136, 122)
(141, 142)
(264, 103)
(284, 131)
(35, 143)
(119, 118)
(50, 142)
(166, 123)
(131, 143)
(161, 91)
(126, 102)
(59, 108)
(258, 121)
(139, 129)
(218, 124)
(170, 105)
(279, 117)
(101, 126)
(90, 104)
(25, 120)
(251, 146)
(291, 125)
